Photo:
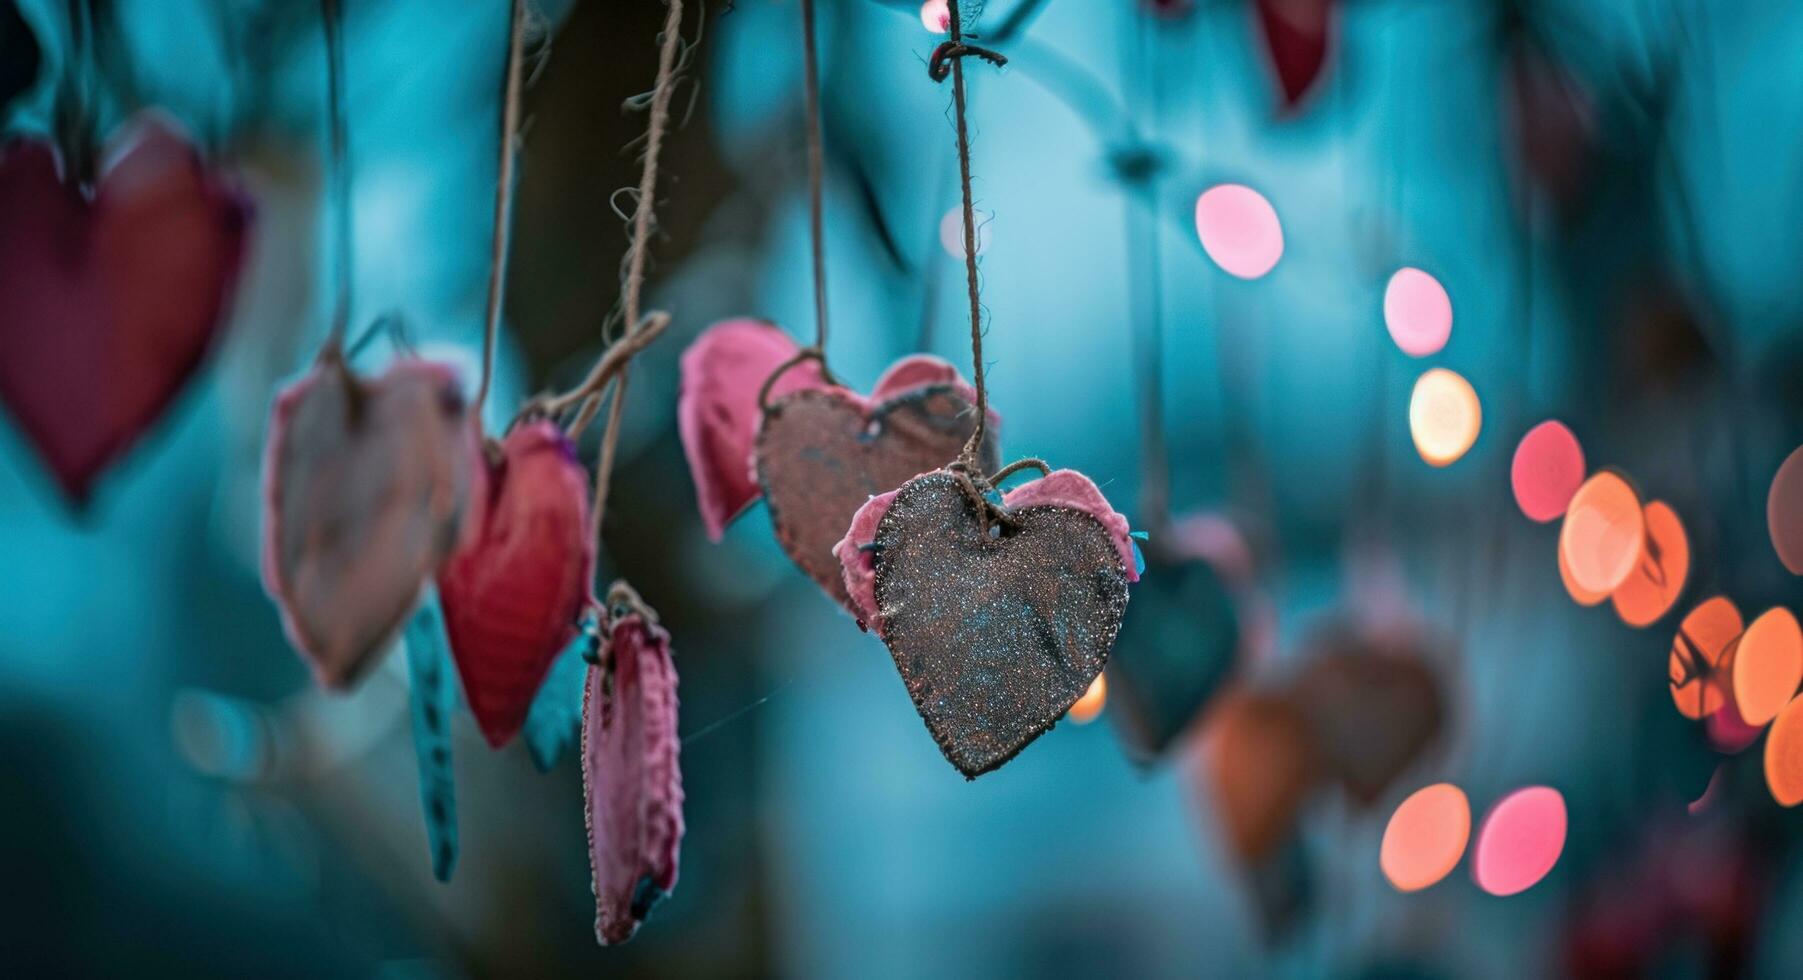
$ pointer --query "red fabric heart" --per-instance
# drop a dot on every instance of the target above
(631, 777)
(366, 484)
(513, 595)
(1296, 39)
(717, 410)
(110, 296)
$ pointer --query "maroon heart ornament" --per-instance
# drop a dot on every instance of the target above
(994, 634)
(111, 295)
(822, 453)
(1296, 35)
(366, 484)
(513, 594)
(630, 774)
(717, 411)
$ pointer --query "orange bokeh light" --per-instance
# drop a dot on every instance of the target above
(1426, 837)
(1768, 665)
(1444, 416)
(1784, 755)
(1700, 656)
(1653, 586)
(1604, 533)
(1578, 594)
(1090, 704)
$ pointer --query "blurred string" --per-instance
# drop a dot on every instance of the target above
(332, 13)
(816, 171)
(668, 66)
(736, 714)
(498, 242)
(1137, 167)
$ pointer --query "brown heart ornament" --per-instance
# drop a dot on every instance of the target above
(996, 623)
(821, 453)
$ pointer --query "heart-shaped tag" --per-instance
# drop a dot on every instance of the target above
(111, 297)
(995, 634)
(1296, 41)
(513, 594)
(823, 452)
(1373, 704)
(1179, 642)
(717, 410)
(630, 773)
(366, 484)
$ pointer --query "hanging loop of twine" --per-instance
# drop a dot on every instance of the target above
(939, 66)
(802, 356)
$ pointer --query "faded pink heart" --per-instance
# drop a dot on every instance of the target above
(366, 485)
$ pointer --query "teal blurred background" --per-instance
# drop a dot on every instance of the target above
(180, 799)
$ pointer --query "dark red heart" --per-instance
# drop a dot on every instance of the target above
(366, 484)
(513, 595)
(994, 636)
(717, 410)
(1258, 765)
(1296, 34)
(630, 775)
(823, 452)
(112, 296)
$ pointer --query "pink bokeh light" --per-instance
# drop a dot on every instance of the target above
(1418, 312)
(1520, 841)
(1239, 230)
(1547, 470)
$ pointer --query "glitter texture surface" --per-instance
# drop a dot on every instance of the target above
(822, 453)
(994, 636)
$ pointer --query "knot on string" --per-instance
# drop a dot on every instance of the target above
(939, 66)
(979, 488)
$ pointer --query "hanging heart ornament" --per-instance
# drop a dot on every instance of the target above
(630, 773)
(366, 485)
(111, 295)
(998, 617)
(514, 594)
(818, 450)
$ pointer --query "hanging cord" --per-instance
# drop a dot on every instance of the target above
(816, 212)
(332, 13)
(949, 56)
(642, 221)
(1147, 277)
(498, 243)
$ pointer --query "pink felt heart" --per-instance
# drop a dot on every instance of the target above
(110, 296)
(630, 775)
(366, 485)
(717, 410)
(513, 595)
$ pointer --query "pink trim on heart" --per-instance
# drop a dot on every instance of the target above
(859, 562)
(717, 410)
(1060, 488)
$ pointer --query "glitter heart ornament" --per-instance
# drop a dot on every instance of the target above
(366, 486)
(995, 636)
(112, 294)
(717, 411)
(631, 778)
(514, 593)
(823, 452)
